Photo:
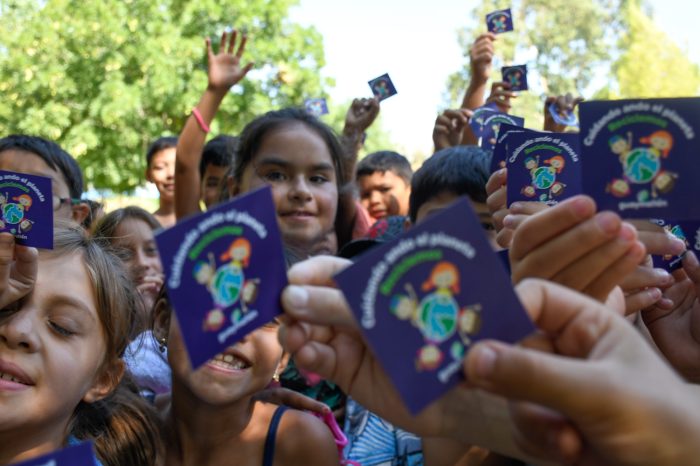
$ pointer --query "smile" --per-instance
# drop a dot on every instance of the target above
(228, 363)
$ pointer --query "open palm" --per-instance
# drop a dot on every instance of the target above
(225, 68)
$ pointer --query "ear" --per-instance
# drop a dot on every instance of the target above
(284, 360)
(161, 319)
(147, 175)
(80, 212)
(105, 382)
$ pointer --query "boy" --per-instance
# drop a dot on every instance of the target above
(38, 156)
(217, 160)
(160, 170)
(384, 182)
(447, 175)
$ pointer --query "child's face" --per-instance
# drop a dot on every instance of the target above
(212, 181)
(660, 142)
(27, 162)
(445, 198)
(297, 164)
(161, 172)
(242, 370)
(619, 146)
(54, 343)
(135, 238)
(384, 194)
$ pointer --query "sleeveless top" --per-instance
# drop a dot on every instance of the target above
(269, 452)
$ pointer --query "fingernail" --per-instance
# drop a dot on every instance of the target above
(664, 278)
(677, 246)
(608, 222)
(296, 297)
(665, 303)
(691, 259)
(485, 361)
(6, 239)
(516, 207)
(654, 293)
(581, 207)
(509, 221)
(627, 233)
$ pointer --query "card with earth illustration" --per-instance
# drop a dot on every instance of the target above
(316, 107)
(641, 156)
(543, 167)
(26, 206)
(500, 149)
(423, 299)
(382, 87)
(489, 124)
(225, 271)
(499, 21)
(516, 76)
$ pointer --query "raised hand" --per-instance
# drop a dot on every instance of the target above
(564, 104)
(361, 115)
(450, 127)
(225, 68)
(501, 95)
(481, 57)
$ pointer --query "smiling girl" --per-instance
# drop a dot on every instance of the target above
(61, 342)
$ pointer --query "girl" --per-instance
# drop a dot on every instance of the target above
(130, 232)
(212, 418)
(61, 343)
(160, 170)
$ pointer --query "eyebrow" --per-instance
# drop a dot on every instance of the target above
(287, 164)
(74, 303)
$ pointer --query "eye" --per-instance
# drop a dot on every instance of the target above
(319, 179)
(384, 189)
(64, 332)
(150, 250)
(275, 177)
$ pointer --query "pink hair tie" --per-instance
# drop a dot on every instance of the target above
(200, 120)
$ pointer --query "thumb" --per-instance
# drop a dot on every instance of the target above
(528, 375)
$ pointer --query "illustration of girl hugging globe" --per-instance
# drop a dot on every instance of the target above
(642, 165)
(227, 284)
(438, 316)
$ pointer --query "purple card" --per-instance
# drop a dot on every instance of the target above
(492, 125)
(516, 76)
(424, 298)
(567, 119)
(687, 231)
(27, 208)
(500, 149)
(382, 87)
(543, 167)
(478, 119)
(80, 454)
(316, 107)
(224, 271)
(499, 21)
(641, 156)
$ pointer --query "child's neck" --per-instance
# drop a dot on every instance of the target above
(166, 212)
(201, 432)
(21, 444)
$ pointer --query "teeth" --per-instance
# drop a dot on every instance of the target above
(228, 361)
(4, 376)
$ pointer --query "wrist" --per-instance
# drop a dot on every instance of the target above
(217, 91)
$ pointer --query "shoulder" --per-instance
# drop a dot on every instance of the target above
(304, 439)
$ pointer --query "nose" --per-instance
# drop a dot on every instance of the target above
(299, 189)
(18, 332)
(375, 197)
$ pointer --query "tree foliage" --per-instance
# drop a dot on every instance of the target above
(105, 78)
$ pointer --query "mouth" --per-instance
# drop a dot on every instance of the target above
(378, 213)
(298, 214)
(10, 375)
(229, 361)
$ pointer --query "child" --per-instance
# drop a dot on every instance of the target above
(130, 232)
(217, 160)
(447, 175)
(212, 417)
(160, 170)
(38, 156)
(384, 182)
(61, 341)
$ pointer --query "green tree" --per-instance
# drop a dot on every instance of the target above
(563, 42)
(651, 64)
(105, 78)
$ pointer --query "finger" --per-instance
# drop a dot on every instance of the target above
(7, 251)
(527, 207)
(247, 68)
(317, 271)
(294, 335)
(552, 222)
(26, 264)
(496, 180)
(642, 299)
(241, 48)
(232, 41)
(645, 277)
(504, 238)
(661, 242)
(317, 305)
(318, 358)
(612, 276)
(210, 52)
(222, 43)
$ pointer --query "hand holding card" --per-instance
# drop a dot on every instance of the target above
(316, 107)
(225, 271)
(435, 290)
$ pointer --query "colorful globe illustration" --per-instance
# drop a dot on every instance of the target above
(13, 213)
(227, 285)
(543, 177)
(437, 317)
(641, 166)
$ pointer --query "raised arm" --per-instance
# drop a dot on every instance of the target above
(225, 70)
(480, 59)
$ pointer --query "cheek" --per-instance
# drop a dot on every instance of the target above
(327, 200)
